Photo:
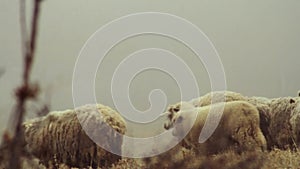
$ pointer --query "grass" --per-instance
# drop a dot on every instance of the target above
(277, 159)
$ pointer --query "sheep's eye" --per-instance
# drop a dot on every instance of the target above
(179, 119)
(176, 109)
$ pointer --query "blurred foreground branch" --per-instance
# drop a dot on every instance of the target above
(27, 90)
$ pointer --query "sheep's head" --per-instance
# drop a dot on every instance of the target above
(180, 117)
(172, 116)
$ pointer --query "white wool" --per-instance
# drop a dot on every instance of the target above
(59, 135)
(239, 118)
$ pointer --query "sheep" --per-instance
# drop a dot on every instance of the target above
(279, 117)
(261, 103)
(284, 126)
(59, 137)
(238, 129)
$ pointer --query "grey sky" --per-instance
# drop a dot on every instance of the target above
(258, 42)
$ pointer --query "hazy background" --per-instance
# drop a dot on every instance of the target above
(258, 42)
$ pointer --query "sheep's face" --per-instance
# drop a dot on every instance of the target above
(172, 116)
(180, 118)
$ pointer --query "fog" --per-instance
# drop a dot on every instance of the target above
(258, 43)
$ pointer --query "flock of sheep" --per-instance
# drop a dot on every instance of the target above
(247, 124)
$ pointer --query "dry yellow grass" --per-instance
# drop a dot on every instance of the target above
(283, 159)
(275, 159)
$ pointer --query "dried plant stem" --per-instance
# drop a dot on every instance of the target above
(26, 90)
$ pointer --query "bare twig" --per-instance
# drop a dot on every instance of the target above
(26, 90)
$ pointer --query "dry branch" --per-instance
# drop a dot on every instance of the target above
(26, 90)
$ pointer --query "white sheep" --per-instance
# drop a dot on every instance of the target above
(261, 103)
(284, 126)
(238, 128)
(59, 136)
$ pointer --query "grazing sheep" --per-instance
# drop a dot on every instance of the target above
(60, 138)
(285, 122)
(261, 103)
(238, 128)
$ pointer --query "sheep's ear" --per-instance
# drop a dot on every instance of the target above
(292, 101)
(170, 109)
